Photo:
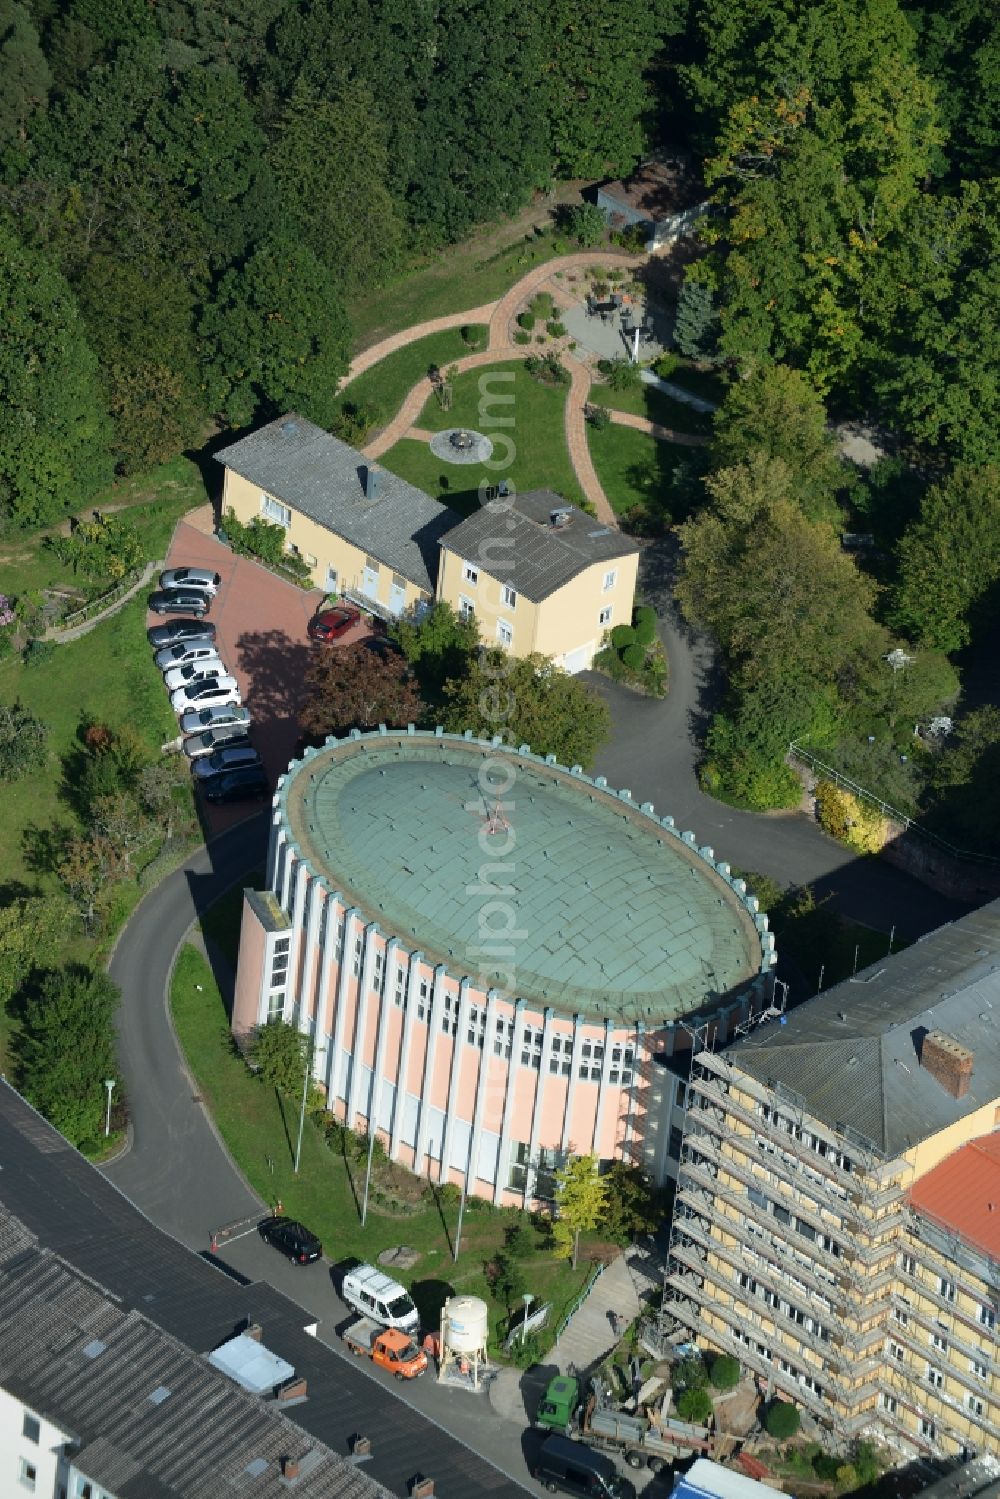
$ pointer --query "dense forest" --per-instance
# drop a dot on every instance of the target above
(191, 193)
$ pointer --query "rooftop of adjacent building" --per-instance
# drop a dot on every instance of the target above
(854, 1055)
(658, 187)
(77, 1214)
(536, 542)
(600, 909)
(962, 1194)
(977, 1479)
(707, 1480)
(327, 480)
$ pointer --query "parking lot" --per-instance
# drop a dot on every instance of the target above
(260, 624)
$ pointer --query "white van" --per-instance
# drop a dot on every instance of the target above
(373, 1294)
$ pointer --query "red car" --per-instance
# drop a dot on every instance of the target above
(333, 623)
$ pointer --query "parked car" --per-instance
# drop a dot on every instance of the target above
(177, 630)
(200, 578)
(204, 693)
(331, 624)
(198, 649)
(293, 1239)
(216, 718)
(180, 601)
(194, 671)
(210, 740)
(247, 784)
(568, 1467)
(231, 757)
(374, 1294)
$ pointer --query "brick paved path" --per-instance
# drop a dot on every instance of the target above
(365, 360)
(655, 429)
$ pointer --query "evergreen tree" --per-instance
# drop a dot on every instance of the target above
(55, 439)
(24, 72)
(949, 559)
(67, 1049)
(697, 321)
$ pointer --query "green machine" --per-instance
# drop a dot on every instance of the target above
(559, 1404)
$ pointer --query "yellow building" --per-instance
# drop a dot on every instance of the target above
(363, 532)
(834, 1227)
(539, 575)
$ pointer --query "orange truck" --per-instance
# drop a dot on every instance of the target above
(387, 1347)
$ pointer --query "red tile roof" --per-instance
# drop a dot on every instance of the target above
(963, 1193)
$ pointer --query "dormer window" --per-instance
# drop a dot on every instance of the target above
(470, 573)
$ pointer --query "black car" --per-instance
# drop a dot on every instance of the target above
(177, 631)
(292, 1238)
(180, 601)
(246, 784)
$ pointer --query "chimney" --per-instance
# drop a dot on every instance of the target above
(948, 1062)
(289, 1467)
(293, 1389)
(371, 482)
(255, 1331)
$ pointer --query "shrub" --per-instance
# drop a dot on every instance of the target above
(522, 338)
(542, 304)
(526, 320)
(642, 612)
(725, 1372)
(782, 1420)
(621, 636)
(666, 365)
(38, 652)
(22, 740)
(850, 820)
(555, 329)
(689, 1374)
(695, 1405)
(634, 657)
(645, 631)
(352, 423)
(472, 334)
(599, 417)
(621, 375)
(585, 222)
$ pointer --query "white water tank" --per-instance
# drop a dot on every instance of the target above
(467, 1324)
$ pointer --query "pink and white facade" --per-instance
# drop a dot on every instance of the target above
(464, 1082)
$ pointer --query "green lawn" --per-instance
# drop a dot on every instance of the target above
(704, 383)
(259, 1130)
(155, 502)
(646, 400)
(468, 275)
(381, 390)
(455, 486)
(630, 467)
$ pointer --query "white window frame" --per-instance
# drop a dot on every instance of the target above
(979, 1369)
(974, 1405)
(605, 616)
(888, 1403)
(947, 1289)
(610, 579)
(275, 512)
(466, 607)
(470, 573)
(934, 1377)
(927, 1429)
(508, 596)
(987, 1317)
(27, 1475)
(505, 632)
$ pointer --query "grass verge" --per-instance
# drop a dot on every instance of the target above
(656, 405)
(259, 1129)
(381, 390)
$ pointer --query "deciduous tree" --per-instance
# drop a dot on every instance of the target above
(528, 700)
(439, 646)
(22, 740)
(580, 1201)
(949, 559)
(359, 687)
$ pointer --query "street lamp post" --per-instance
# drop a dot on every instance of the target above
(527, 1297)
(311, 1051)
(109, 1083)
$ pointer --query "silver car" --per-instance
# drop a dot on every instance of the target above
(195, 671)
(205, 694)
(185, 651)
(201, 578)
(210, 740)
(215, 718)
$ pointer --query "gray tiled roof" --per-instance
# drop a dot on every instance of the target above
(515, 541)
(852, 1054)
(197, 1439)
(316, 474)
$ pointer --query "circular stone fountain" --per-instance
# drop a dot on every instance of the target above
(458, 445)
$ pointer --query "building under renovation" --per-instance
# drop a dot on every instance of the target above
(837, 1219)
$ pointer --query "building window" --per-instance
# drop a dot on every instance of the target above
(466, 608)
(508, 597)
(903, 1318)
(909, 1265)
(974, 1405)
(895, 1351)
(988, 1317)
(927, 1428)
(276, 1005)
(377, 970)
(591, 1060)
(610, 579)
(888, 1403)
(470, 574)
(27, 1474)
(274, 510)
(946, 1288)
(423, 1004)
(531, 1047)
(399, 992)
(505, 632)
(561, 1055)
(356, 960)
(331, 578)
(604, 618)
(939, 1342)
(934, 1377)
(31, 1428)
(476, 1032)
(503, 1039)
(622, 1058)
(518, 1178)
(449, 1016)
(84, 1488)
(978, 1369)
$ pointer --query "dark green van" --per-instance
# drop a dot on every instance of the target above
(568, 1467)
